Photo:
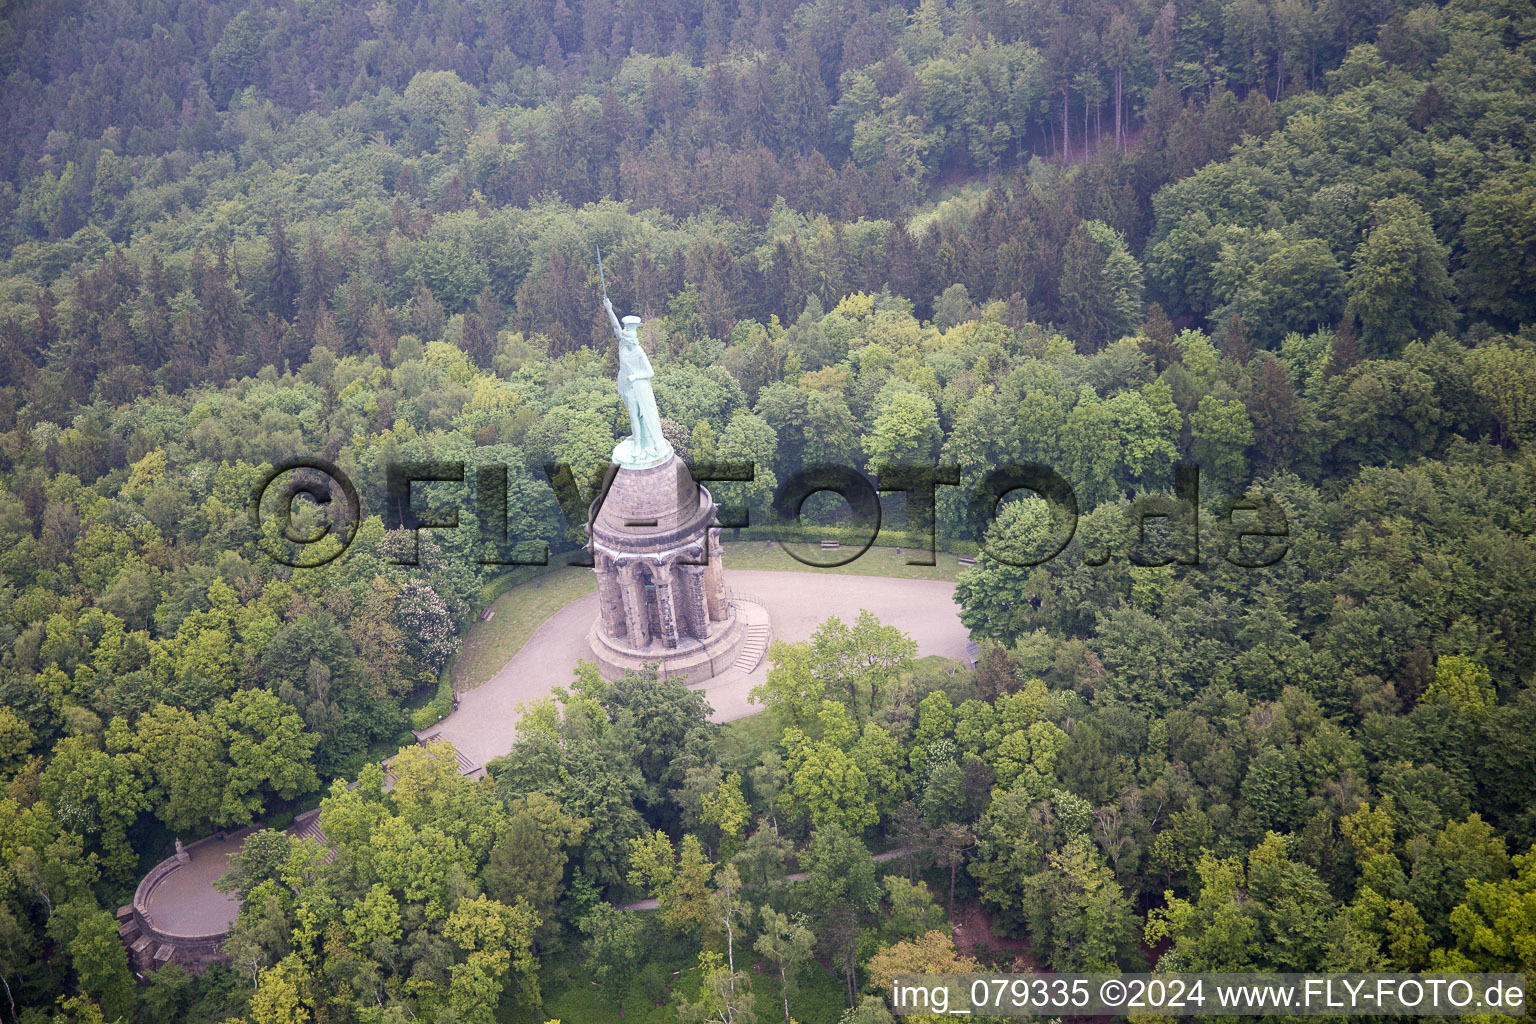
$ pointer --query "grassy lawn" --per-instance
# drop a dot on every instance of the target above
(519, 611)
(741, 743)
(877, 561)
(516, 614)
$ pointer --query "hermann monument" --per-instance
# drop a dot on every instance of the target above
(655, 543)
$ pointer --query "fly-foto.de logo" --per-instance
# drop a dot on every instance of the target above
(313, 506)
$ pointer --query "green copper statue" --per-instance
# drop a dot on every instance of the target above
(645, 446)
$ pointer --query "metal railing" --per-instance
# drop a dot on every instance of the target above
(734, 596)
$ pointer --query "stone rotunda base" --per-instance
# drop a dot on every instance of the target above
(694, 661)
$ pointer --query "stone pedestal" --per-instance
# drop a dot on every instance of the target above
(662, 600)
(693, 660)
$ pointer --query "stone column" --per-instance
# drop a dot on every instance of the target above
(610, 599)
(714, 579)
(666, 611)
(691, 610)
(635, 618)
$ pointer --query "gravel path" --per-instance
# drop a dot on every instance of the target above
(485, 724)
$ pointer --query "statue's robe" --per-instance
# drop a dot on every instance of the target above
(635, 375)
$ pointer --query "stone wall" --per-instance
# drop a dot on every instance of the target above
(150, 948)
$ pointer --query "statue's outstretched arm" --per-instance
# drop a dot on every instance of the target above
(613, 318)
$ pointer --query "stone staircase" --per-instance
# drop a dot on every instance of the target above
(753, 648)
(465, 765)
(144, 953)
(307, 826)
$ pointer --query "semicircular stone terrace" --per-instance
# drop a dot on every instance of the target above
(177, 916)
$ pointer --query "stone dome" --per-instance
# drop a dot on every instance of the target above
(650, 510)
(662, 600)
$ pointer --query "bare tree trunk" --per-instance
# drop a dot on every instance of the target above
(1066, 127)
(784, 991)
(9, 998)
(730, 951)
(1119, 106)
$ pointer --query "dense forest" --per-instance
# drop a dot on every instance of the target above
(1290, 241)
